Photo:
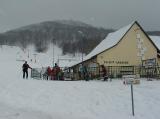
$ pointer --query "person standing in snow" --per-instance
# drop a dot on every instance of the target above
(57, 70)
(25, 69)
(48, 72)
(53, 73)
(85, 73)
(61, 75)
(104, 73)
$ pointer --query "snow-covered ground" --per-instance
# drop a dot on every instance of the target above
(39, 99)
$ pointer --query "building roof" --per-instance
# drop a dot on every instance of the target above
(156, 40)
(111, 40)
(114, 38)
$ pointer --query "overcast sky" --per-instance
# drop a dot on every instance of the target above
(104, 13)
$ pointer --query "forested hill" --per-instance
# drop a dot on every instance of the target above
(71, 36)
(154, 33)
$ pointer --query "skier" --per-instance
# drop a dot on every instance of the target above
(48, 72)
(85, 73)
(104, 73)
(53, 73)
(25, 69)
(61, 75)
(57, 70)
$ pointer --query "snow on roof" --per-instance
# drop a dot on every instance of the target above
(156, 40)
(111, 40)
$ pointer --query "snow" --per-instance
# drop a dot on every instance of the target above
(40, 99)
(156, 40)
(111, 40)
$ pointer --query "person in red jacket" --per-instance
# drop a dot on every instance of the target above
(25, 69)
(53, 73)
(49, 71)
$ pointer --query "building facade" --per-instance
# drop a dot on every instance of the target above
(131, 50)
(128, 46)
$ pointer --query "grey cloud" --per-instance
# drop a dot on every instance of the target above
(104, 13)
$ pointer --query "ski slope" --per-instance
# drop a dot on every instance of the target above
(39, 99)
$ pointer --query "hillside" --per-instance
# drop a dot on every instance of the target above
(154, 33)
(67, 34)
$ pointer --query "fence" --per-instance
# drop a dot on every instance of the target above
(144, 72)
(40, 73)
(113, 72)
(37, 73)
(119, 71)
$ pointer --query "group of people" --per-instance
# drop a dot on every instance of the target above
(54, 73)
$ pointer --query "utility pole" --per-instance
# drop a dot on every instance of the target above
(28, 53)
(35, 57)
(82, 45)
(53, 52)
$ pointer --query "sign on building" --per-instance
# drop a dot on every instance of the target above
(149, 62)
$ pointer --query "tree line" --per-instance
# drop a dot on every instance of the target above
(65, 35)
